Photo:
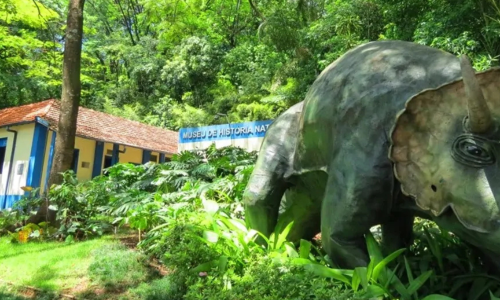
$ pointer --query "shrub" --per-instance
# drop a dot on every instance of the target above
(159, 289)
(77, 205)
(267, 278)
(183, 252)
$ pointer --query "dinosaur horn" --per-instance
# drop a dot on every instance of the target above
(480, 119)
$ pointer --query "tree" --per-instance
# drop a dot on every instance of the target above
(70, 99)
(29, 65)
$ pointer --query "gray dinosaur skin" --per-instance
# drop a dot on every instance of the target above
(328, 155)
(277, 193)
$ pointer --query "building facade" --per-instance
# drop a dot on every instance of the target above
(27, 142)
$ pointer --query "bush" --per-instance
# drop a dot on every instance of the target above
(183, 252)
(267, 278)
(77, 205)
(159, 289)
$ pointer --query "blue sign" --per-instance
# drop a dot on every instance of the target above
(224, 132)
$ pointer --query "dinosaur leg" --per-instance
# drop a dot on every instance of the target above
(354, 201)
(302, 205)
(397, 232)
(300, 209)
(262, 199)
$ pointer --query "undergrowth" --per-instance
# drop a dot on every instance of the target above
(189, 215)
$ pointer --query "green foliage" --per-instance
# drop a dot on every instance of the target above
(189, 216)
(159, 289)
(180, 64)
(8, 219)
(76, 207)
(15, 219)
(32, 232)
(447, 257)
(30, 67)
(199, 235)
(268, 278)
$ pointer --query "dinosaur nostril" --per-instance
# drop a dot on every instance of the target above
(434, 188)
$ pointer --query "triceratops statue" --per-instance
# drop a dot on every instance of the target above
(389, 131)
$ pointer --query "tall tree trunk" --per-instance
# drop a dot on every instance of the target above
(70, 101)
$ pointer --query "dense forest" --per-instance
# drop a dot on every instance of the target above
(175, 63)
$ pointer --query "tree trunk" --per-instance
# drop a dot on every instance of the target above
(70, 101)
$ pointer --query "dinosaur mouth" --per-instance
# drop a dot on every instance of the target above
(471, 226)
(479, 214)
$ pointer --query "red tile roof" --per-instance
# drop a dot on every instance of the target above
(97, 125)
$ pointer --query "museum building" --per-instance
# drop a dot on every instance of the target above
(27, 141)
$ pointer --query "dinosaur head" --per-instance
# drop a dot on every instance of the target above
(446, 148)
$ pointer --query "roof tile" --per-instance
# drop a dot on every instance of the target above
(97, 125)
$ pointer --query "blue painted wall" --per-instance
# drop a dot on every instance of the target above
(162, 158)
(116, 154)
(98, 155)
(224, 132)
(3, 198)
(51, 159)
(3, 144)
(146, 156)
(35, 166)
(76, 159)
(9, 200)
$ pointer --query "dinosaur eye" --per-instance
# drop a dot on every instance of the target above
(473, 151)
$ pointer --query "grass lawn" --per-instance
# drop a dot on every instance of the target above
(95, 269)
(51, 266)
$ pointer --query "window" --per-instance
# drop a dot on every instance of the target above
(20, 168)
(3, 147)
(153, 158)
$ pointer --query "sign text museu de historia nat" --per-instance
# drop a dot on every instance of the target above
(247, 135)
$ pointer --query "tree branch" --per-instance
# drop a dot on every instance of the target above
(126, 23)
(256, 10)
